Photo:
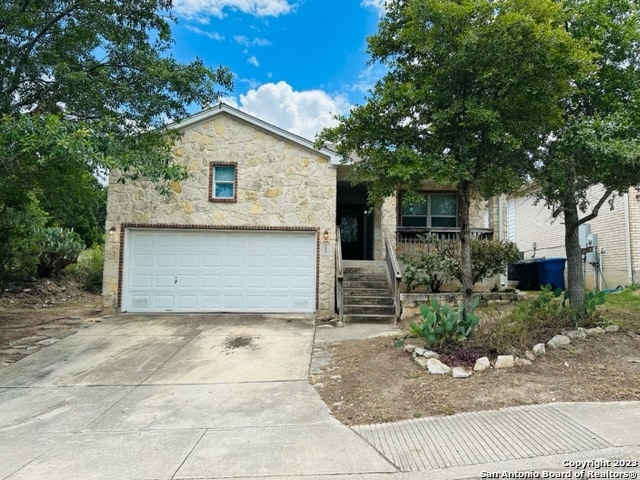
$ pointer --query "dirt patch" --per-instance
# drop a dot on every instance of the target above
(370, 381)
(44, 309)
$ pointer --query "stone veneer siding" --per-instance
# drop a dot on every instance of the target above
(280, 185)
(534, 223)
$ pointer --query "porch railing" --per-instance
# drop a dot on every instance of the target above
(411, 240)
(339, 277)
(393, 272)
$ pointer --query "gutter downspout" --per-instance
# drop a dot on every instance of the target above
(627, 237)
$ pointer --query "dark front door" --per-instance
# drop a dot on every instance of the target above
(352, 232)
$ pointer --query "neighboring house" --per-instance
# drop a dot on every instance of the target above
(253, 228)
(617, 235)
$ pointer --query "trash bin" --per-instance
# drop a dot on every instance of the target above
(527, 271)
(551, 270)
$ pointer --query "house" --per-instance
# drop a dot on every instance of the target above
(611, 241)
(253, 228)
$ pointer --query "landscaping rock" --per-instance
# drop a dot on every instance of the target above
(482, 363)
(461, 372)
(409, 348)
(504, 361)
(612, 328)
(423, 352)
(529, 355)
(48, 341)
(595, 331)
(523, 362)
(423, 362)
(559, 341)
(436, 367)
(576, 334)
(539, 349)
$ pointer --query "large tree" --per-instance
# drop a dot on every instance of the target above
(472, 88)
(599, 142)
(86, 86)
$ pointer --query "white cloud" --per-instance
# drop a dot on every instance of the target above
(256, 42)
(303, 113)
(377, 4)
(253, 61)
(211, 35)
(215, 8)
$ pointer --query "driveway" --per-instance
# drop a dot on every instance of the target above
(175, 397)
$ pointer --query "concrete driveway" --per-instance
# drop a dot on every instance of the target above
(175, 397)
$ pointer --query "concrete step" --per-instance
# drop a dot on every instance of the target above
(383, 299)
(369, 310)
(365, 277)
(390, 319)
(365, 292)
(347, 283)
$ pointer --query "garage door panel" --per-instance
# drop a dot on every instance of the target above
(164, 281)
(143, 260)
(164, 260)
(211, 281)
(142, 281)
(187, 260)
(253, 271)
(211, 260)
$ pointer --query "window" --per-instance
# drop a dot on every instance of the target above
(434, 210)
(223, 182)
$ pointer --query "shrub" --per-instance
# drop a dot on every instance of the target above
(442, 325)
(488, 258)
(537, 320)
(430, 270)
(442, 262)
(60, 247)
(20, 228)
(88, 270)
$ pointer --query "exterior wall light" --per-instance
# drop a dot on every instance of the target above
(112, 230)
(326, 235)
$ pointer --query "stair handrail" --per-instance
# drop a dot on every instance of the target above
(339, 276)
(394, 274)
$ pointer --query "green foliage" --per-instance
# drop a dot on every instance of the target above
(593, 300)
(472, 88)
(488, 258)
(60, 247)
(19, 240)
(89, 269)
(87, 87)
(537, 320)
(429, 270)
(443, 262)
(442, 325)
(598, 143)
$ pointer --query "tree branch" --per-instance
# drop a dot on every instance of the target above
(596, 208)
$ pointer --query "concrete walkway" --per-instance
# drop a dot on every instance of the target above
(226, 396)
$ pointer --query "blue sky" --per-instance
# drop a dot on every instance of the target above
(296, 63)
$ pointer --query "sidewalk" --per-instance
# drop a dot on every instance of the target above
(226, 396)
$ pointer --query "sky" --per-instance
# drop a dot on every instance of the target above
(296, 63)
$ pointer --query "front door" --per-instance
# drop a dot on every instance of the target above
(351, 220)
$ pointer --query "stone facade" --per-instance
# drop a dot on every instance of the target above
(282, 183)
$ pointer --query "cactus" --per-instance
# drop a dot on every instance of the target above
(60, 247)
(442, 324)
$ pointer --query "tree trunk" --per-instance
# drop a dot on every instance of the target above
(575, 275)
(465, 245)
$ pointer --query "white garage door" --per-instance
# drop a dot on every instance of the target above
(218, 271)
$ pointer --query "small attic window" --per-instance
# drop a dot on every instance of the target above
(224, 178)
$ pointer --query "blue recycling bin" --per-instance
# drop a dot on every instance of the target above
(551, 270)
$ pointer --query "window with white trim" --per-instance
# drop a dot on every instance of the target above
(223, 184)
(432, 210)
